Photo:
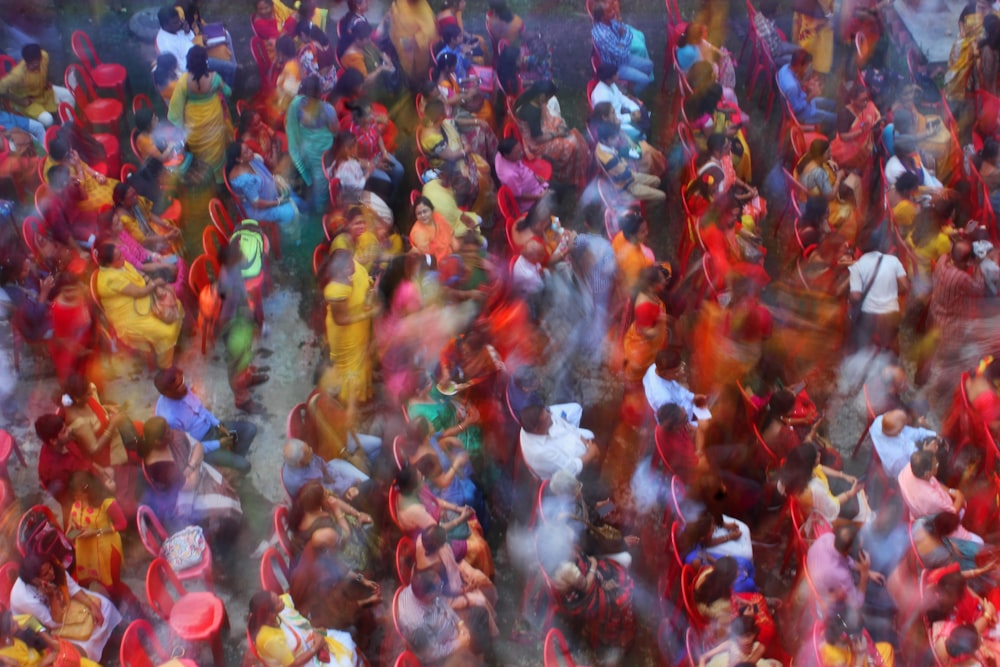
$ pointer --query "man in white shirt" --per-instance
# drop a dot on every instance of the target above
(550, 443)
(628, 110)
(895, 441)
(665, 382)
(174, 39)
(876, 281)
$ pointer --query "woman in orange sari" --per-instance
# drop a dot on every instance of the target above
(930, 132)
(545, 134)
(648, 332)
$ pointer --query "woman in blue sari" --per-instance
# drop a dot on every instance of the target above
(310, 125)
(260, 194)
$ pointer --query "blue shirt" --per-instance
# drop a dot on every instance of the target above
(188, 414)
(462, 62)
(792, 89)
(688, 55)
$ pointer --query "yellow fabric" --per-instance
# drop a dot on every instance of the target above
(95, 555)
(815, 36)
(272, 647)
(444, 204)
(288, 85)
(630, 258)
(904, 213)
(204, 119)
(366, 251)
(412, 28)
(131, 317)
(21, 654)
(98, 196)
(21, 83)
(354, 59)
(837, 656)
(349, 344)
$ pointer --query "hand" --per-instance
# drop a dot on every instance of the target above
(364, 518)
(864, 561)
(95, 611)
(467, 512)
(461, 459)
(100, 178)
(472, 415)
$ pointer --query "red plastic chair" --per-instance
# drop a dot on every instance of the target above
(507, 203)
(24, 523)
(220, 217)
(141, 101)
(7, 64)
(334, 191)
(273, 565)
(406, 559)
(393, 501)
(320, 253)
(105, 75)
(296, 424)
(142, 648)
(8, 575)
(97, 110)
(112, 149)
(200, 276)
(688, 575)
(406, 659)
(193, 616)
(212, 242)
(29, 231)
(127, 171)
(153, 535)
(555, 652)
(281, 529)
(772, 458)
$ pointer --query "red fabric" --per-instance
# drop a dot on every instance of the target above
(72, 337)
(197, 615)
(266, 28)
(54, 469)
(646, 314)
(117, 517)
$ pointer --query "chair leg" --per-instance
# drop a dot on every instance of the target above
(218, 655)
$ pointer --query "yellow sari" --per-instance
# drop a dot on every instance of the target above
(412, 28)
(814, 33)
(98, 196)
(96, 556)
(132, 317)
(349, 344)
(204, 118)
(19, 652)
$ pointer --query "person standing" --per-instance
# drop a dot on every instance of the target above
(877, 280)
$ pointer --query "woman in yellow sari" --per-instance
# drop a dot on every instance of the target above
(282, 636)
(197, 107)
(964, 55)
(648, 332)
(288, 77)
(14, 651)
(441, 142)
(98, 187)
(412, 29)
(812, 29)
(847, 644)
(349, 315)
(125, 298)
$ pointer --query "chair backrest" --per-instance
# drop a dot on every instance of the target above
(334, 191)
(212, 241)
(160, 578)
(397, 452)
(66, 113)
(688, 575)
(295, 426)
(406, 559)
(79, 84)
(133, 652)
(27, 526)
(220, 217)
(281, 529)
(141, 101)
(29, 230)
(151, 531)
(201, 272)
(275, 575)
(127, 170)
(7, 64)
(84, 50)
(320, 253)
(406, 659)
(395, 615)
(8, 575)
(556, 652)
(393, 501)
(693, 646)
(507, 203)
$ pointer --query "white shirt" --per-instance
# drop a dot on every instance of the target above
(895, 450)
(894, 169)
(659, 392)
(623, 106)
(883, 297)
(526, 275)
(178, 43)
(562, 448)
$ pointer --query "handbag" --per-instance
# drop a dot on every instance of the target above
(164, 305)
(185, 548)
(854, 313)
(78, 622)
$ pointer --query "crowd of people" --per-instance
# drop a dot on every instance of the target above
(573, 378)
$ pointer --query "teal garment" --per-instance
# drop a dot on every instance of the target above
(441, 415)
(309, 137)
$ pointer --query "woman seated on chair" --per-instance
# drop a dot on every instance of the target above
(96, 186)
(718, 601)
(440, 140)
(417, 508)
(465, 587)
(447, 465)
(847, 642)
(164, 142)
(264, 196)
(168, 265)
(464, 102)
(952, 605)
(359, 52)
(641, 156)
(23, 647)
(706, 539)
(269, 144)
(356, 175)
(432, 629)
(44, 590)
(936, 548)
(545, 134)
(282, 636)
(183, 488)
(805, 478)
(742, 647)
(594, 591)
(137, 218)
(127, 300)
(319, 518)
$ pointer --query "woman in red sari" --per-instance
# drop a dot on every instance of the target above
(984, 400)
(648, 332)
(546, 135)
(857, 124)
(72, 343)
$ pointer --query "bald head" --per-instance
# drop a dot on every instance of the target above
(893, 422)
